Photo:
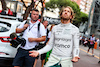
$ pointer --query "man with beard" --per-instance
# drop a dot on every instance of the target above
(30, 34)
(64, 42)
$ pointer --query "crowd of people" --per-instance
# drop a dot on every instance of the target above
(62, 40)
(91, 42)
(61, 43)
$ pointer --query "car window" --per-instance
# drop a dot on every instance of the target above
(4, 27)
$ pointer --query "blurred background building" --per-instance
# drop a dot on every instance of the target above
(84, 5)
(94, 19)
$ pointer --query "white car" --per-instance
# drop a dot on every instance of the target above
(7, 52)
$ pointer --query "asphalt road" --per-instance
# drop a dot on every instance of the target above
(86, 60)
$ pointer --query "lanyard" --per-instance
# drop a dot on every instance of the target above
(30, 27)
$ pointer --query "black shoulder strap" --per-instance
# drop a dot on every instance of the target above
(47, 32)
(38, 29)
(27, 22)
(46, 37)
(38, 26)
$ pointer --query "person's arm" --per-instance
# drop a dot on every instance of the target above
(37, 39)
(41, 51)
(19, 30)
(21, 27)
(76, 46)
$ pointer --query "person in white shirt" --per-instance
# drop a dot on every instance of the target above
(64, 41)
(30, 34)
(43, 56)
(92, 42)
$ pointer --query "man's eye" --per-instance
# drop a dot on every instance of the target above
(64, 10)
(68, 11)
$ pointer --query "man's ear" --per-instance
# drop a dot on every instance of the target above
(71, 17)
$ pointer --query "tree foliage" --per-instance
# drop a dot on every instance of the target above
(79, 16)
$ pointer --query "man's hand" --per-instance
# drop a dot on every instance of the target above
(75, 59)
(99, 47)
(25, 26)
(30, 39)
(33, 53)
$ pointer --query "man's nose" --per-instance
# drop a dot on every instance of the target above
(65, 12)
